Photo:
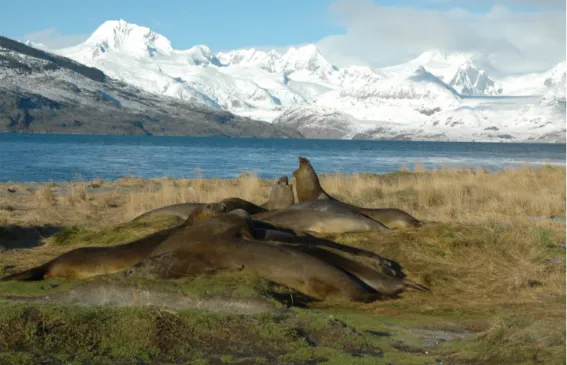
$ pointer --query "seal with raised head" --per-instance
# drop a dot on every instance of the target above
(228, 242)
(86, 262)
(308, 187)
(281, 195)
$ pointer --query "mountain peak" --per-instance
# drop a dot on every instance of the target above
(436, 55)
(433, 54)
(303, 58)
(36, 45)
(470, 80)
(119, 35)
(250, 57)
(306, 58)
(420, 70)
(201, 55)
(556, 76)
(200, 49)
(307, 51)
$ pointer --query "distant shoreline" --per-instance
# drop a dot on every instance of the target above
(286, 138)
(404, 172)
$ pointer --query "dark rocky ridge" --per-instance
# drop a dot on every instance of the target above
(44, 93)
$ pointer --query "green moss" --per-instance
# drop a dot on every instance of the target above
(127, 232)
(26, 288)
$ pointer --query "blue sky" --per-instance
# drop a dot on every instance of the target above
(347, 31)
(221, 24)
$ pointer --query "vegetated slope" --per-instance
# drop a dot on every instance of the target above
(45, 93)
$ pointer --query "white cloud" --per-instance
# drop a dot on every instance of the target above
(513, 41)
(538, 3)
(53, 39)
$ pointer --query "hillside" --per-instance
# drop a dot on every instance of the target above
(44, 93)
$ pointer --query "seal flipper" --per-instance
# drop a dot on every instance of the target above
(415, 286)
(33, 274)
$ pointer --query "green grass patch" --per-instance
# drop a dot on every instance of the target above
(144, 335)
(123, 233)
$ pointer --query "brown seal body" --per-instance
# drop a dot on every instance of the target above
(86, 262)
(308, 188)
(307, 185)
(388, 280)
(391, 217)
(322, 216)
(237, 203)
(377, 280)
(229, 242)
(281, 195)
(183, 210)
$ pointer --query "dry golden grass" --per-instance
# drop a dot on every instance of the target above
(464, 196)
(77, 194)
(246, 186)
(44, 197)
(96, 183)
(458, 195)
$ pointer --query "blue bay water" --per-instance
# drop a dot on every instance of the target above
(44, 157)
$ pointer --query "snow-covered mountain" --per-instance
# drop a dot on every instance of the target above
(465, 72)
(44, 93)
(459, 96)
(37, 45)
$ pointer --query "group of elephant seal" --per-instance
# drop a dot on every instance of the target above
(309, 188)
(319, 212)
(311, 270)
(273, 240)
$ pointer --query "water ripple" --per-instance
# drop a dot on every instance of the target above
(41, 157)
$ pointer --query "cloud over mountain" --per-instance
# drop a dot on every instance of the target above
(514, 41)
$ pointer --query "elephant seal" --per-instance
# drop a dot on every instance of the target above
(321, 216)
(380, 282)
(180, 210)
(281, 195)
(233, 247)
(183, 210)
(86, 262)
(228, 242)
(308, 187)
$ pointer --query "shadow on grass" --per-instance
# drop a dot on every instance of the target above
(13, 237)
